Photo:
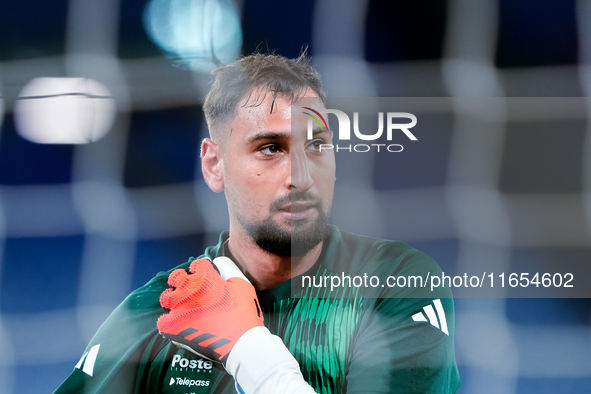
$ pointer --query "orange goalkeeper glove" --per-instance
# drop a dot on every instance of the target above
(214, 312)
(208, 314)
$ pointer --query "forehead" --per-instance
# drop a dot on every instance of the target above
(260, 109)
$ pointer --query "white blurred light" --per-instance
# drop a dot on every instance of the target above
(64, 111)
(198, 34)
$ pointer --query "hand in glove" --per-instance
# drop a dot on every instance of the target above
(214, 312)
(207, 313)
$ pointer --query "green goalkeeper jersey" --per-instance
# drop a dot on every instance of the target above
(352, 327)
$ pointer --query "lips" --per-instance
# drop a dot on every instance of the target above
(298, 210)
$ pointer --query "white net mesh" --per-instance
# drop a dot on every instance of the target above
(81, 226)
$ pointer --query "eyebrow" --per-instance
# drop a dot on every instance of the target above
(320, 131)
(273, 135)
(270, 135)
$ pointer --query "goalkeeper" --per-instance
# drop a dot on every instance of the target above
(237, 319)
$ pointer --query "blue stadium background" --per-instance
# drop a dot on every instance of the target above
(83, 225)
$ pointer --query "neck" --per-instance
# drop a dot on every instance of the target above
(266, 270)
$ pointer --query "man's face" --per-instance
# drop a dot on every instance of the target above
(279, 185)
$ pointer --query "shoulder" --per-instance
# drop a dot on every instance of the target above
(138, 312)
(125, 343)
(398, 269)
(149, 294)
(358, 252)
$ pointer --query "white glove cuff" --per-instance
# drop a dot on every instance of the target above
(261, 364)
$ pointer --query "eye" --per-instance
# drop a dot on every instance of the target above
(270, 150)
(315, 145)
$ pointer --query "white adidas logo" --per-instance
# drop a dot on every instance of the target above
(432, 315)
(88, 359)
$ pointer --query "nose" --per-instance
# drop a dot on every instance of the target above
(300, 177)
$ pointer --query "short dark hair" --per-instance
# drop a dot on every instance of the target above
(277, 74)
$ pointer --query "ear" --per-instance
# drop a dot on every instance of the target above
(212, 165)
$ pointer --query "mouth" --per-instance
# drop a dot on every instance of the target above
(299, 210)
